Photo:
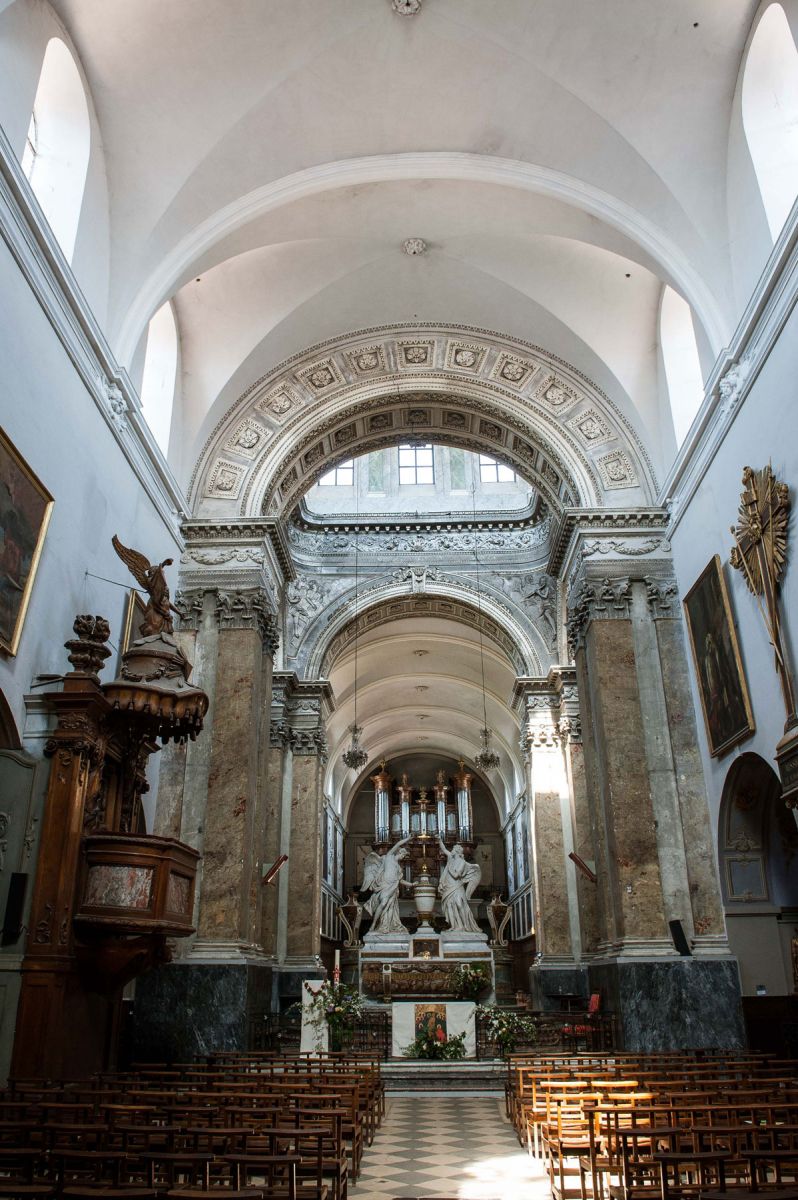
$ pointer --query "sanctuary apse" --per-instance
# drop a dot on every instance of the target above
(457, 505)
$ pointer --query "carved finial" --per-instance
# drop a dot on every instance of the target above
(406, 8)
(88, 651)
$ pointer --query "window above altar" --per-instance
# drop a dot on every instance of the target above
(417, 480)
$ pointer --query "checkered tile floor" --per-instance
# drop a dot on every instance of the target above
(444, 1145)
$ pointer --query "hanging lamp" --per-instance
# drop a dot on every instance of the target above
(355, 758)
(487, 759)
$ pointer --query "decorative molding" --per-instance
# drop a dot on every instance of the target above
(206, 539)
(422, 542)
(417, 355)
(27, 233)
(576, 523)
(413, 245)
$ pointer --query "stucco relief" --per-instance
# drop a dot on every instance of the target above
(505, 371)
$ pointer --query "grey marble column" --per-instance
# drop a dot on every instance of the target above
(646, 803)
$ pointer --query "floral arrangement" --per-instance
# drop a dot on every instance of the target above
(336, 1005)
(437, 1046)
(470, 980)
(506, 1028)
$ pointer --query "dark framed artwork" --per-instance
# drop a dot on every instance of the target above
(25, 508)
(135, 610)
(716, 655)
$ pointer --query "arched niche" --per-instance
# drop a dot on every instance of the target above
(758, 858)
(422, 768)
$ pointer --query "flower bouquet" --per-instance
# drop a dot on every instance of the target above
(436, 1045)
(336, 1005)
(470, 980)
(507, 1028)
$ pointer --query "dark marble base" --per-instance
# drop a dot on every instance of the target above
(549, 985)
(187, 1009)
(672, 1004)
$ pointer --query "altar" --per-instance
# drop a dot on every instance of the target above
(444, 1019)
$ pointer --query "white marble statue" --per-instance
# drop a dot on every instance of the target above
(459, 880)
(382, 876)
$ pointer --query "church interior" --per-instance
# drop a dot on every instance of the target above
(398, 649)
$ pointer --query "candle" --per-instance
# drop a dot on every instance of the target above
(337, 968)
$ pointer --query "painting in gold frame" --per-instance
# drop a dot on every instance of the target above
(135, 611)
(716, 655)
(25, 508)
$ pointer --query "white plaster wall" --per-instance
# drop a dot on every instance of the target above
(26, 26)
(763, 431)
(53, 422)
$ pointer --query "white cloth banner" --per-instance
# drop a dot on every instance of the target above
(313, 1039)
(460, 1018)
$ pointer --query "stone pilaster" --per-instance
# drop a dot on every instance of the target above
(550, 721)
(229, 895)
(646, 804)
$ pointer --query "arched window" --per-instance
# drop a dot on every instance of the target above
(160, 374)
(56, 155)
(770, 114)
(680, 357)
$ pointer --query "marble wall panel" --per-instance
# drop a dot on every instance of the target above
(676, 1004)
(184, 1010)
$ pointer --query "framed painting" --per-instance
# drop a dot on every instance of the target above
(25, 508)
(135, 609)
(716, 654)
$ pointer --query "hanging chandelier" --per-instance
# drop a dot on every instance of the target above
(355, 758)
(487, 759)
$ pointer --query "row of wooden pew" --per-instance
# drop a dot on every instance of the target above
(245, 1125)
(654, 1126)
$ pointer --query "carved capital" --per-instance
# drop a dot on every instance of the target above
(189, 602)
(280, 735)
(309, 742)
(662, 596)
(596, 600)
(247, 608)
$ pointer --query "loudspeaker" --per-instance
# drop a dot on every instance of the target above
(12, 921)
(679, 940)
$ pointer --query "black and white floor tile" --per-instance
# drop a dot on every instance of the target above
(458, 1147)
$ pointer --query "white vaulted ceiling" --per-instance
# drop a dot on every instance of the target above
(267, 158)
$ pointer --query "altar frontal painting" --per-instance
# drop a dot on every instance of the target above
(716, 654)
(25, 506)
(431, 1021)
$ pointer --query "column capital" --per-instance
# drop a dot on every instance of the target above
(549, 709)
(233, 608)
(299, 712)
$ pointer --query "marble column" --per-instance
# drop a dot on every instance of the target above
(647, 806)
(213, 795)
(549, 731)
(292, 907)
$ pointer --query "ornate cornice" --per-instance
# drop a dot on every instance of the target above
(584, 521)
(220, 543)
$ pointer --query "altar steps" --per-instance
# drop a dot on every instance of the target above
(406, 1075)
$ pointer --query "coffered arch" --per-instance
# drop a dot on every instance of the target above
(453, 385)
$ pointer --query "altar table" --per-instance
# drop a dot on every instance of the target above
(459, 1017)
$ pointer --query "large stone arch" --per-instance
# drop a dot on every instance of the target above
(442, 596)
(459, 386)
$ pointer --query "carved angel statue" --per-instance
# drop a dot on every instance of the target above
(158, 613)
(459, 880)
(382, 876)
